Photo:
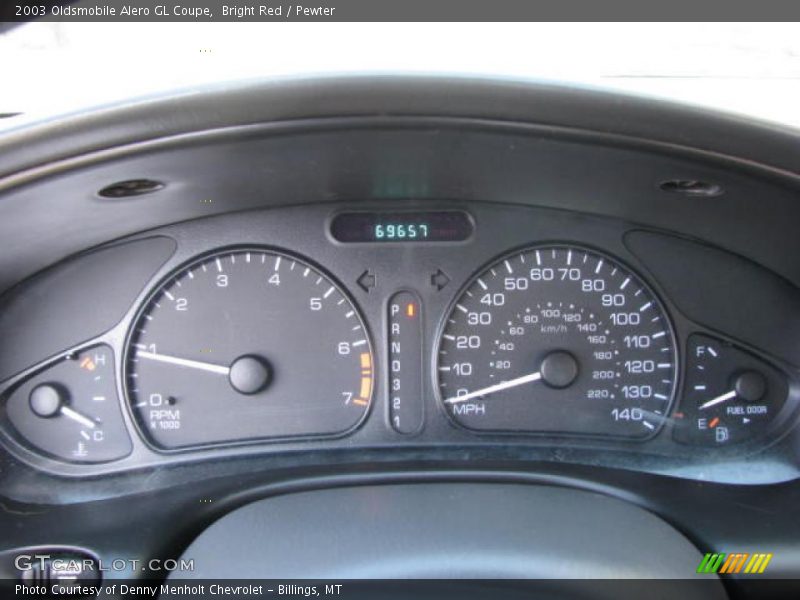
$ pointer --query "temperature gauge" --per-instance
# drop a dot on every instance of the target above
(71, 410)
(729, 395)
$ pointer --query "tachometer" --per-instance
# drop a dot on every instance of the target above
(248, 344)
(557, 339)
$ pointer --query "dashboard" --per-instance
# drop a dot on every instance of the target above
(253, 293)
(397, 325)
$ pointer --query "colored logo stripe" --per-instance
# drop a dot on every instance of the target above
(734, 562)
(758, 563)
(710, 563)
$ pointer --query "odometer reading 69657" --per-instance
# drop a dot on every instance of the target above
(382, 227)
(557, 339)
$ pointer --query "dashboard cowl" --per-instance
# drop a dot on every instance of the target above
(444, 531)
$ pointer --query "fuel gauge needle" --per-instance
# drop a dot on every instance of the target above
(497, 387)
(184, 362)
(77, 417)
(718, 400)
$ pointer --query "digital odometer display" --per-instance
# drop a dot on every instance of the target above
(557, 339)
(440, 226)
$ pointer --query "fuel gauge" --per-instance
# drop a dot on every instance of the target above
(71, 409)
(730, 396)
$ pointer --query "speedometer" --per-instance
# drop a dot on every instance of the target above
(561, 340)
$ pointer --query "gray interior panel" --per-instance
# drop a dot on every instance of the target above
(443, 531)
(80, 299)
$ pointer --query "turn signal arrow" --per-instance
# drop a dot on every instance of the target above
(366, 281)
(439, 280)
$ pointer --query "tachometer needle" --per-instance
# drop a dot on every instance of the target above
(718, 400)
(78, 417)
(497, 387)
(184, 362)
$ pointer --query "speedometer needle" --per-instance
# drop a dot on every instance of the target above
(497, 387)
(718, 400)
(184, 362)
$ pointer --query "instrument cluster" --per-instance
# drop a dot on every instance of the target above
(400, 329)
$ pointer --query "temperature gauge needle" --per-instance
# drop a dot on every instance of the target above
(718, 400)
(77, 417)
(184, 362)
(497, 387)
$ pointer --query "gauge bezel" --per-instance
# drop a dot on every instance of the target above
(156, 288)
(669, 404)
(501, 228)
